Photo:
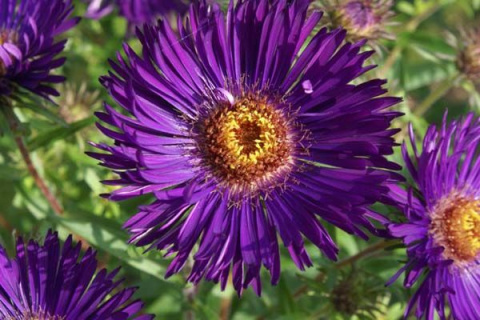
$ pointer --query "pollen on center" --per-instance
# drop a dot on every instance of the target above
(247, 142)
(456, 226)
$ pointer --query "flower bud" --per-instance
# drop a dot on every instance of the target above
(468, 58)
(363, 19)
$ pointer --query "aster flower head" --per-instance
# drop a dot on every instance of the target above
(363, 19)
(357, 293)
(76, 101)
(240, 134)
(468, 58)
(28, 48)
(136, 12)
(54, 282)
(442, 227)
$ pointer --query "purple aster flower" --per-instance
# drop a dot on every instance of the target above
(28, 48)
(242, 133)
(442, 231)
(48, 282)
(137, 12)
(363, 19)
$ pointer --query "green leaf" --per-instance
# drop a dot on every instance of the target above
(58, 133)
(416, 76)
(406, 7)
(93, 180)
(8, 173)
(286, 300)
(26, 100)
(467, 7)
(3, 124)
(347, 242)
(101, 233)
(476, 4)
(113, 241)
(435, 45)
(36, 205)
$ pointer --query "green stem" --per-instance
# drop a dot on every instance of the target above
(364, 253)
(225, 308)
(190, 295)
(411, 26)
(15, 128)
(349, 261)
(322, 312)
(18, 133)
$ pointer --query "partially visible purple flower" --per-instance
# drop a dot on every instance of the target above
(468, 58)
(442, 227)
(136, 12)
(363, 19)
(28, 49)
(51, 282)
(98, 9)
(243, 128)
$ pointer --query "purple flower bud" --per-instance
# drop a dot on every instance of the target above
(468, 59)
(363, 19)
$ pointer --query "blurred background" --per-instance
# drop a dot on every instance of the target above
(423, 57)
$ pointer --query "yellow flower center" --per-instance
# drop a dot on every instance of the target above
(456, 227)
(247, 143)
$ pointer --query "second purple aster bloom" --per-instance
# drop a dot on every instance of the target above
(363, 19)
(242, 132)
(136, 12)
(53, 282)
(442, 231)
(28, 47)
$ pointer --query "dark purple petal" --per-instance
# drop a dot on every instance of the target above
(56, 281)
(446, 169)
(28, 51)
(339, 137)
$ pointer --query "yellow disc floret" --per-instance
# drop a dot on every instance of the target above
(456, 226)
(246, 143)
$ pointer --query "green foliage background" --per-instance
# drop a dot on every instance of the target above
(420, 66)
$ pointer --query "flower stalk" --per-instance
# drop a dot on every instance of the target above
(374, 248)
(411, 26)
(14, 126)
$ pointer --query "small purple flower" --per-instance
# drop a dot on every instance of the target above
(51, 282)
(442, 230)
(137, 12)
(242, 133)
(363, 19)
(28, 48)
